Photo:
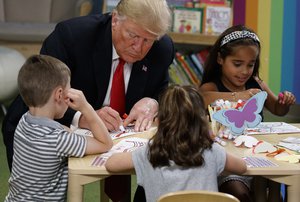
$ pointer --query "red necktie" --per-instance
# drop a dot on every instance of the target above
(118, 187)
(117, 94)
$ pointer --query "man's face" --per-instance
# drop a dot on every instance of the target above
(131, 41)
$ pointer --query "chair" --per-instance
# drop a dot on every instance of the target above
(197, 196)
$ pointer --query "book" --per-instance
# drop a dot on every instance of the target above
(197, 63)
(176, 3)
(187, 69)
(183, 72)
(175, 77)
(216, 19)
(187, 20)
(214, 2)
(192, 65)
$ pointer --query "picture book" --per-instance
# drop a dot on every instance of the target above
(187, 20)
(216, 19)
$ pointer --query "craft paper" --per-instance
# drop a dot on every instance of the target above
(246, 117)
(248, 141)
(126, 145)
(264, 147)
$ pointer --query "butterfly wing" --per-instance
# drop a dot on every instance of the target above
(232, 120)
(248, 116)
(253, 108)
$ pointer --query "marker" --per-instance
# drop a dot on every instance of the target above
(121, 127)
(280, 97)
(124, 116)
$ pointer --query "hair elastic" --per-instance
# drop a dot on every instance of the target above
(239, 35)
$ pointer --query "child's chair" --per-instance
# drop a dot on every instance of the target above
(197, 196)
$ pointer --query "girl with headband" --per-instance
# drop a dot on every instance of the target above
(231, 72)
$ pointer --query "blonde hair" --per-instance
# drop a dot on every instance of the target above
(39, 76)
(153, 15)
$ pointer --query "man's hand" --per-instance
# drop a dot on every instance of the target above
(143, 113)
(109, 116)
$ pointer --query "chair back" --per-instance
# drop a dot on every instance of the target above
(197, 196)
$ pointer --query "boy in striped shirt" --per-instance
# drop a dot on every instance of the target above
(42, 145)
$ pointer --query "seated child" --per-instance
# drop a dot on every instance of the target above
(181, 152)
(42, 145)
(231, 72)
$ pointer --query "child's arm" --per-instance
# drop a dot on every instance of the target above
(235, 164)
(101, 142)
(120, 162)
(211, 93)
(278, 105)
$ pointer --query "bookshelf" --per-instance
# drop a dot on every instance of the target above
(195, 39)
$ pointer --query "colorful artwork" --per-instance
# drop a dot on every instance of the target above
(126, 145)
(245, 117)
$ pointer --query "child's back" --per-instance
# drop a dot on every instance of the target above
(161, 180)
(181, 155)
(39, 170)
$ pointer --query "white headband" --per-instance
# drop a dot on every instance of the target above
(239, 35)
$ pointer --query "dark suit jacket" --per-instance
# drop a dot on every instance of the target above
(85, 45)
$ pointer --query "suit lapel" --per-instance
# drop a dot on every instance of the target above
(102, 59)
(137, 83)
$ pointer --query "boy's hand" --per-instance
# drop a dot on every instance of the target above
(76, 99)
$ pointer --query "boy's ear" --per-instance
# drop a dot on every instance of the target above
(58, 94)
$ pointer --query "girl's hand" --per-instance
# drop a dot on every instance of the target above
(286, 98)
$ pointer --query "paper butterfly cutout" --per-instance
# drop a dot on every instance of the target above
(293, 158)
(248, 116)
(248, 141)
(264, 147)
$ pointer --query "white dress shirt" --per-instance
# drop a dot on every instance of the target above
(127, 73)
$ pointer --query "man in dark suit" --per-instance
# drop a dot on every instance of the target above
(91, 47)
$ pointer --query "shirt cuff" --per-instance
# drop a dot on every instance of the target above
(75, 121)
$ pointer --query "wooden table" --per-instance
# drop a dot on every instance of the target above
(81, 173)
(285, 173)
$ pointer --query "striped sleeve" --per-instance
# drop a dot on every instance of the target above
(70, 144)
